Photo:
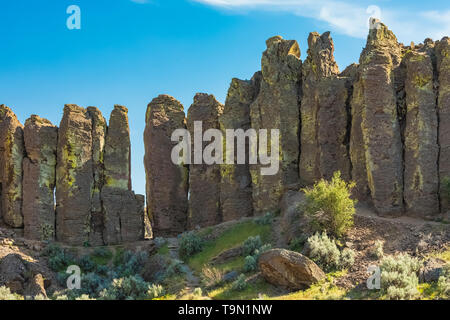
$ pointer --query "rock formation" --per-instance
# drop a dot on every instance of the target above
(236, 184)
(421, 131)
(123, 211)
(204, 179)
(167, 183)
(443, 70)
(39, 178)
(11, 157)
(278, 107)
(376, 146)
(74, 176)
(324, 114)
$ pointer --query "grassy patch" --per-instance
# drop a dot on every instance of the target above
(252, 291)
(444, 254)
(164, 250)
(102, 259)
(235, 264)
(233, 237)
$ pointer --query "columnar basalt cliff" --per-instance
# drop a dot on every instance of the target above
(383, 123)
(236, 184)
(324, 114)
(167, 182)
(39, 178)
(204, 178)
(11, 157)
(277, 106)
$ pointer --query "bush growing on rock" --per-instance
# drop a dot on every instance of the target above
(329, 206)
(399, 276)
(190, 244)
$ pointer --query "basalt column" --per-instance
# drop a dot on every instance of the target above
(123, 213)
(166, 181)
(74, 176)
(204, 178)
(324, 114)
(443, 68)
(421, 148)
(277, 107)
(235, 184)
(39, 178)
(376, 139)
(11, 157)
(99, 128)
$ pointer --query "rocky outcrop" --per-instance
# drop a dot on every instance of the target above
(204, 179)
(11, 157)
(376, 147)
(421, 134)
(293, 223)
(443, 70)
(39, 178)
(99, 128)
(74, 176)
(236, 184)
(289, 269)
(167, 183)
(278, 107)
(324, 114)
(123, 212)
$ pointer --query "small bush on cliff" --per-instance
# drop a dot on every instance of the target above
(324, 251)
(399, 276)
(329, 206)
(190, 244)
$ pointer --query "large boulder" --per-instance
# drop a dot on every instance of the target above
(204, 179)
(324, 114)
(443, 69)
(13, 273)
(289, 269)
(376, 147)
(11, 156)
(39, 178)
(236, 183)
(277, 107)
(167, 182)
(421, 136)
(74, 176)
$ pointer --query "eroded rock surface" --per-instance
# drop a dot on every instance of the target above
(11, 156)
(39, 178)
(167, 183)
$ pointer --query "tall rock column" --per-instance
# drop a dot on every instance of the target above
(421, 148)
(99, 128)
(39, 178)
(11, 157)
(204, 179)
(324, 114)
(74, 176)
(166, 182)
(123, 211)
(375, 123)
(278, 107)
(236, 184)
(443, 68)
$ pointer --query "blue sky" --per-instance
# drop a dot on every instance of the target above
(129, 51)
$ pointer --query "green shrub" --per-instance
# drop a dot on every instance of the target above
(324, 251)
(190, 244)
(265, 219)
(251, 244)
(240, 283)
(5, 294)
(130, 288)
(399, 276)
(297, 244)
(377, 250)
(58, 258)
(329, 206)
(443, 284)
(250, 264)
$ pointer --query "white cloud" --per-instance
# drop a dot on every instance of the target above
(345, 17)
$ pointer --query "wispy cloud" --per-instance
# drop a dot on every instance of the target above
(351, 18)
